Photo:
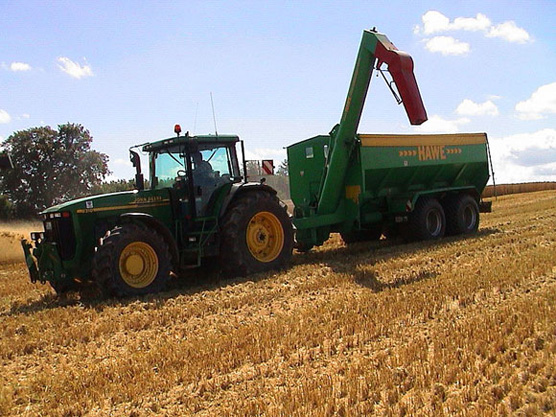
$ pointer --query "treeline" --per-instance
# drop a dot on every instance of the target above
(8, 210)
(526, 187)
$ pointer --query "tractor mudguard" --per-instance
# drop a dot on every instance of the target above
(238, 189)
(155, 224)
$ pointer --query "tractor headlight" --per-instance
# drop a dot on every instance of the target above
(37, 236)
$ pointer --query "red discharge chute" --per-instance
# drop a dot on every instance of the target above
(400, 65)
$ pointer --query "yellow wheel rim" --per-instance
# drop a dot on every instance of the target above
(138, 264)
(265, 236)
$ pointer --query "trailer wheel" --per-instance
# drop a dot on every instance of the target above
(257, 235)
(427, 221)
(462, 215)
(132, 260)
(361, 235)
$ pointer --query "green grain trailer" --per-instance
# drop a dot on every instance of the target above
(365, 185)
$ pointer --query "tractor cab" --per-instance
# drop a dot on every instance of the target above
(193, 168)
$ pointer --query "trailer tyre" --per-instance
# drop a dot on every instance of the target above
(257, 235)
(427, 221)
(132, 260)
(462, 215)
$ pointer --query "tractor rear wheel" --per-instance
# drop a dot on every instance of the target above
(257, 235)
(427, 221)
(131, 260)
(462, 215)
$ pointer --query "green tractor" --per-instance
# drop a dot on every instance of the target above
(197, 207)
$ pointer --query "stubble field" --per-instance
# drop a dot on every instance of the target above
(462, 326)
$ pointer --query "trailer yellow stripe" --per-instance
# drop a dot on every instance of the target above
(422, 140)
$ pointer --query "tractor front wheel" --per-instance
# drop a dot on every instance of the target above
(132, 260)
(257, 235)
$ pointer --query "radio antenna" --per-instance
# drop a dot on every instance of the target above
(195, 122)
(213, 115)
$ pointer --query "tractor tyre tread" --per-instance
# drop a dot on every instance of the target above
(105, 270)
(235, 258)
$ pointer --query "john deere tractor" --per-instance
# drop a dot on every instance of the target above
(196, 208)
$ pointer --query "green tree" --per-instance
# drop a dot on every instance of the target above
(51, 166)
(113, 186)
(6, 208)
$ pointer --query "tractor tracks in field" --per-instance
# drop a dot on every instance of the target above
(326, 365)
(326, 360)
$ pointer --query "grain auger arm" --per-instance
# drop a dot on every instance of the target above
(374, 51)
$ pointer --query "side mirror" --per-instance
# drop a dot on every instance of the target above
(136, 162)
(5, 162)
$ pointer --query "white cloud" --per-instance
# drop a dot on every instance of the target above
(437, 124)
(25, 116)
(258, 154)
(494, 97)
(19, 66)
(436, 22)
(472, 24)
(446, 45)
(122, 162)
(525, 157)
(509, 32)
(470, 108)
(74, 69)
(5, 117)
(542, 101)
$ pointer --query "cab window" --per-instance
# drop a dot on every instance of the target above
(168, 166)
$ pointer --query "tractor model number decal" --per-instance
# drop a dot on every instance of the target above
(429, 153)
(150, 199)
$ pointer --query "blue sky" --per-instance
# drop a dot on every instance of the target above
(279, 72)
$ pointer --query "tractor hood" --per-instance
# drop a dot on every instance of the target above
(94, 203)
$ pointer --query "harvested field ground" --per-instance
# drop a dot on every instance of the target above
(10, 238)
(464, 326)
